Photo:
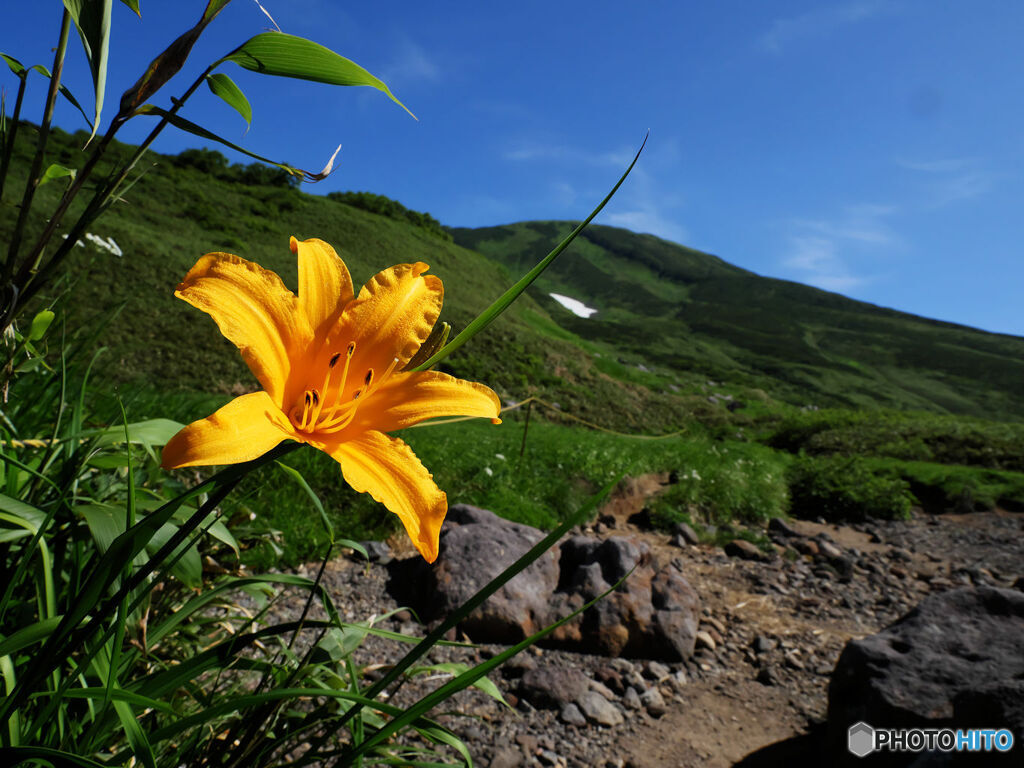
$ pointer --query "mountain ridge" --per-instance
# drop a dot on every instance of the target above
(766, 328)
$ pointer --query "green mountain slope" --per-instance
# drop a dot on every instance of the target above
(672, 309)
(194, 203)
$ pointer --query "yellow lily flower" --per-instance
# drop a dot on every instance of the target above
(331, 366)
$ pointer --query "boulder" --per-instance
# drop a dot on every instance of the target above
(652, 614)
(956, 660)
(477, 545)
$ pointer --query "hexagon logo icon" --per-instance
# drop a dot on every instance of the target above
(860, 739)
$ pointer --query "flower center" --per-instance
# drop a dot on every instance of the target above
(325, 409)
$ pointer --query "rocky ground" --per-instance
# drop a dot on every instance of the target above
(769, 636)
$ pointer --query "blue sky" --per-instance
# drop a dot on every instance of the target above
(871, 148)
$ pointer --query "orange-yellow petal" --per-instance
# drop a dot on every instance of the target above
(242, 430)
(254, 310)
(325, 286)
(409, 398)
(391, 317)
(388, 470)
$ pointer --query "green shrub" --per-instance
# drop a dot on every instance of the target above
(846, 489)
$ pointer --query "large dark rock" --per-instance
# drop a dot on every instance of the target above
(477, 545)
(652, 614)
(956, 660)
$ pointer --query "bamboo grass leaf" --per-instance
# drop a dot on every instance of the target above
(197, 130)
(283, 55)
(134, 5)
(55, 171)
(92, 20)
(502, 303)
(224, 87)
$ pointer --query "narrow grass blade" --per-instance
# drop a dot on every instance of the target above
(26, 636)
(45, 755)
(295, 475)
(488, 315)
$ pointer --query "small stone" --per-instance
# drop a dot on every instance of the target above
(602, 689)
(631, 699)
(611, 679)
(598, 709)
(653, 702)
(571, 715)
(622, 666)
(686, 533)
(806, 547)
(715, 623)
(766, 676)
(744, 550)
(762, 644)
(780, 526)
(679, 679)
(655, 670)
(829, 549)
(547, 757)
(704, 640)
(507, 757)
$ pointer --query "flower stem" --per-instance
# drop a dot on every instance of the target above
(12, 134)
(32, 183)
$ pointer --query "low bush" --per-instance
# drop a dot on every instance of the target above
(846, 489)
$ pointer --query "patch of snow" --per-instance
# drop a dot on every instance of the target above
(575, 306)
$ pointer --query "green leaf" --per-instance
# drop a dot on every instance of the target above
(190, 127)
(276, 53)
(134, 5)
(56, 172)
(26, 636)
(223, 86)
(502, 303)
(40, 323)
(16, 66)
(92, 19)
(20, 755)
(213, 8)
(454, 669)
(136, 737)
(149, 432)
(295, 475)
(63, 89)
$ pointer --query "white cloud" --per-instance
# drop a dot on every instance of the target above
(819, 22)
(816, 261)
(864, 223)
(950, 180)
(820, 251)
(523, 151)
(649, 220)
(411, 62)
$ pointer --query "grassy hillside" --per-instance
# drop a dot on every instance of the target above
(682, 342)
(671, 308)
(195, 203)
